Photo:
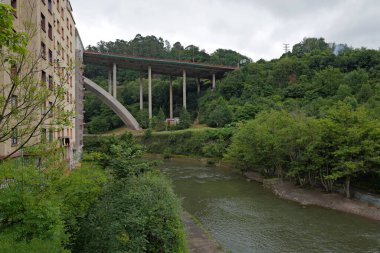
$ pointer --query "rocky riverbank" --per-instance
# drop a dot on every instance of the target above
(199, 239)
(306, 197)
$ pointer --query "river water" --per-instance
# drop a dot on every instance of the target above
(244, 217)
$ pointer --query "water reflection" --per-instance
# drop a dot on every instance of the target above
(244, 217)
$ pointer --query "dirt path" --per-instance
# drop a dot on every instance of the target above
(199, 240)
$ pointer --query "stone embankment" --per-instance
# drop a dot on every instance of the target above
(199, 240)
(307, 197)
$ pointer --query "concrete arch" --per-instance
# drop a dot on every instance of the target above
(112, 102)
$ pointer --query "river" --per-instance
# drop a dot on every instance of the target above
(244, 218)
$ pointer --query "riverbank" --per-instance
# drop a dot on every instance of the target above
(245, 217)
(305, 197)
(199, 240)
(312, 197)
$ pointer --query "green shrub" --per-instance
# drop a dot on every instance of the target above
(167, 153)
(138, 214)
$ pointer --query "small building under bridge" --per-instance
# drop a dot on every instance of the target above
(171, 68)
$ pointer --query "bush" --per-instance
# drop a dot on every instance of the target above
(198, 142)
(40, 210)
(167, 153)
(138, 214)
(184, 120)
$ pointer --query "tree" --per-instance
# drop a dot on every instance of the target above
(21, 100)
(161, 120)
(13, 41)
(232, 85)
(261, 143)
(343, 91)
(365, 93)
(355, 141)
(327, 82)
(219, 113)
(184, 119)
(309, 45)
(229, 58)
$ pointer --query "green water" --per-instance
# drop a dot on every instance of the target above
(244, 217)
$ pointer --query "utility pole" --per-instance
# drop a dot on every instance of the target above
(286, 48)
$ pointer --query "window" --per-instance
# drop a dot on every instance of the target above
(62, 13)
(51, 85)
(13, 71)
(67, 22)
(43, 1)
(58, 27)
(50, 31)
(67, 40)
(71, 46)
(43, 77)
(63, 34)
(14, 137)
(50, 109)
(50, 135)
(43, 111)
(14, 101)
(71, 30)
(50, 6)
(43, 22)
(50, 57)
(43, 50)
(14, 6)
(58, 5)
(58, 48)
(43, 135)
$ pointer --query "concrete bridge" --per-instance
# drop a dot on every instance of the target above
(112, 102)
(168, 67)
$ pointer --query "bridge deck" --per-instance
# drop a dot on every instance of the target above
(159, 66)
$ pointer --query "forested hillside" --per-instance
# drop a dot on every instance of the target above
(313, 115)
(99, 118)
(309, 79)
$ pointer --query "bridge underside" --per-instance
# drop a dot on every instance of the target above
(151, 66)
(159, 66)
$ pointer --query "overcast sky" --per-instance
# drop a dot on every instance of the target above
(256, 28)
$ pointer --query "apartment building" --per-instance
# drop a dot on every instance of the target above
(79, 97)
(55, 39)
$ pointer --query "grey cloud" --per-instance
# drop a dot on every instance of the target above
(256, 28)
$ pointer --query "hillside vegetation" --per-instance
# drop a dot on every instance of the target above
(312, 115)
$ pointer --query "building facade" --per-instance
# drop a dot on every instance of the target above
(79, 97)
(55, 41)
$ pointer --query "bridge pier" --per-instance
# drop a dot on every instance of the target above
(114, 81)
(110, 81)
(141, 92)
(198, 85)
(213, 82)
(150, 91)
(184, 89)
(171, 97)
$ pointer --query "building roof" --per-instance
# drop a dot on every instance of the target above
(159, 66)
